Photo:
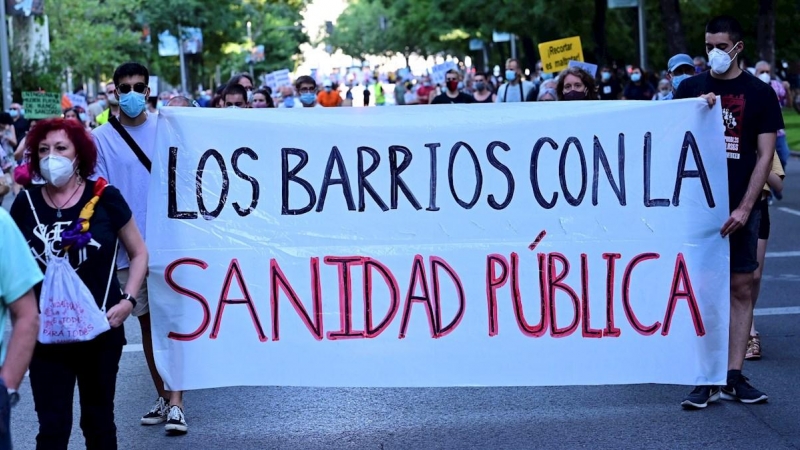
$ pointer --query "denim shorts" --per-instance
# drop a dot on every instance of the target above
(744, 244)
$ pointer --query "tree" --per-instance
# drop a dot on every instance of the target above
(766, 31)
(671, 15)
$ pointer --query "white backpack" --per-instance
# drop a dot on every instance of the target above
(68, 312)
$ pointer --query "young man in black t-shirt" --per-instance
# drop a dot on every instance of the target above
(752, 116)
(452, 94)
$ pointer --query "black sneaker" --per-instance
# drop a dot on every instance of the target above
(700, 397)
(176, 421)
(740, 389)
(158, 414)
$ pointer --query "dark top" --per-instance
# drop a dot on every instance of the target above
(749, 108)
(486, 100)
(443, 99)
(93, 262)
(609, 90)
(644, 91)
(21, 127)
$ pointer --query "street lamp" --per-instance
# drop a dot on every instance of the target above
(251, 44)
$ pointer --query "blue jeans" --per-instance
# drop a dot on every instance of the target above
(5, 417)
(782, 147)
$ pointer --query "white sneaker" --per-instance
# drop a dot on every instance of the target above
(158, 414)
(176, 421)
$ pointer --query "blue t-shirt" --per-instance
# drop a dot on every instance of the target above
(19, 272)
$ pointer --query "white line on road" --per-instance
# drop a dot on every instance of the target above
(782, 254)
(776, 311)
(790, 210)
(132, 348)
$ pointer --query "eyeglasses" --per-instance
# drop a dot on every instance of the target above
(138, 88)
(307, 90)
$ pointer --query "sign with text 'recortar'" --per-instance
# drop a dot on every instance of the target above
(496, 245)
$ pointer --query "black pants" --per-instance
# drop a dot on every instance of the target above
(54, 370)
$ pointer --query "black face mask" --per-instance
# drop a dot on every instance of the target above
(575, 95)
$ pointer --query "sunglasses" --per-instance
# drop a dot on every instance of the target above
(139, 88)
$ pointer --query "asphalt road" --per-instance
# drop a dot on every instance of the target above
(640, 416)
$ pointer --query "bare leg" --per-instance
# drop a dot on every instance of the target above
(762, 252)
(176, 398)
(147, 346)
(741, 318)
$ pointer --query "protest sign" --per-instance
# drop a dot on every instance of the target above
(41, 105)
(439, 72)
(77, 100)
(591, 69)
(556, 55)
(570, 246)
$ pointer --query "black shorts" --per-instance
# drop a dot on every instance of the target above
(744, 245)
(763, 229)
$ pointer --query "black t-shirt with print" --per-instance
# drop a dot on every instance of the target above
(749, 108)
(609, 90)
(93, 262)
(444, 99)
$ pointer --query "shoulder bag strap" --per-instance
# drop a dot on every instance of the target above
(521, 92)
(33, 209)
(131, 143)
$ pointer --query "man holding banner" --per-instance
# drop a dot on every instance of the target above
(752, 118)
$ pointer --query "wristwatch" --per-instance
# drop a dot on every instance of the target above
(129, 298)
(13, 397)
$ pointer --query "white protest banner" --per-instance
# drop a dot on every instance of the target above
(553, 244)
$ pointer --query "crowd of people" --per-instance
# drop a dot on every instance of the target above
(87, 168)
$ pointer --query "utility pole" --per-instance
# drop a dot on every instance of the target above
(184, 84)
(642, 37)
(252, 45)
(513, 46)
(5, 65)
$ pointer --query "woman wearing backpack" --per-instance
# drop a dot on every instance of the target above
(73, 226)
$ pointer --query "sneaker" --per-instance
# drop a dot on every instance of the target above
(753, 348)
(158, 414)
(740, 389)
(700, 397)
(176, 423)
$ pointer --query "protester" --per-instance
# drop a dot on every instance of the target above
(307, 88)
(246, 81)
(328, 96)
(288, 100)
(399, 92)
(750, 143)
(410, 97)
(547, 95)
(97, 107)
(764, 73)
(19, 275)
(63, 153)
(576, 84)
(8, 143)
(774, 184)
(664, 90)
(639, 88)
(679, 68)
(424, 92)
(262, 98)
(515, 89)
(452, 94)
(181, 101)
(483, 93)
(366, 95)
(700, 64)
(127, 166)
(113, 105)
(235, 96)
(609, 87)
(218, 101)
(21, 124)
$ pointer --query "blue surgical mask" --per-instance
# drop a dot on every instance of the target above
(288, 102)
(82, 117)
(103, 103)
(480, 86)
(547, 76)
(606, 76)
(13, 113)
(511, 75)
(636, 77)
(676, 81)
(132, 104)
(308, 98)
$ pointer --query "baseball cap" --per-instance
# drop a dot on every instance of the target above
(327, 83)
(679, 60)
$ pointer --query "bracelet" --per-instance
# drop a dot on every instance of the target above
(129, 298)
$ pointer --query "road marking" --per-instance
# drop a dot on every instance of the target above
(782, 254)
(776, 311)
(790, 210)
(132, 348)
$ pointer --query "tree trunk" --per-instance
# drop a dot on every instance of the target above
(530, 51)
(671, 14)
(599, 32)
(766, 31)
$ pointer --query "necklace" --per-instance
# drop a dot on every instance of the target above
(58, 208)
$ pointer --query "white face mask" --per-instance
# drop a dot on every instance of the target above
(56, 170)
(764, 77)
(720, 60)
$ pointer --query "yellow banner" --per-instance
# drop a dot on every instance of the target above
(556, 55)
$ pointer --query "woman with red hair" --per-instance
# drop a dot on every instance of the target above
(73, 220)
